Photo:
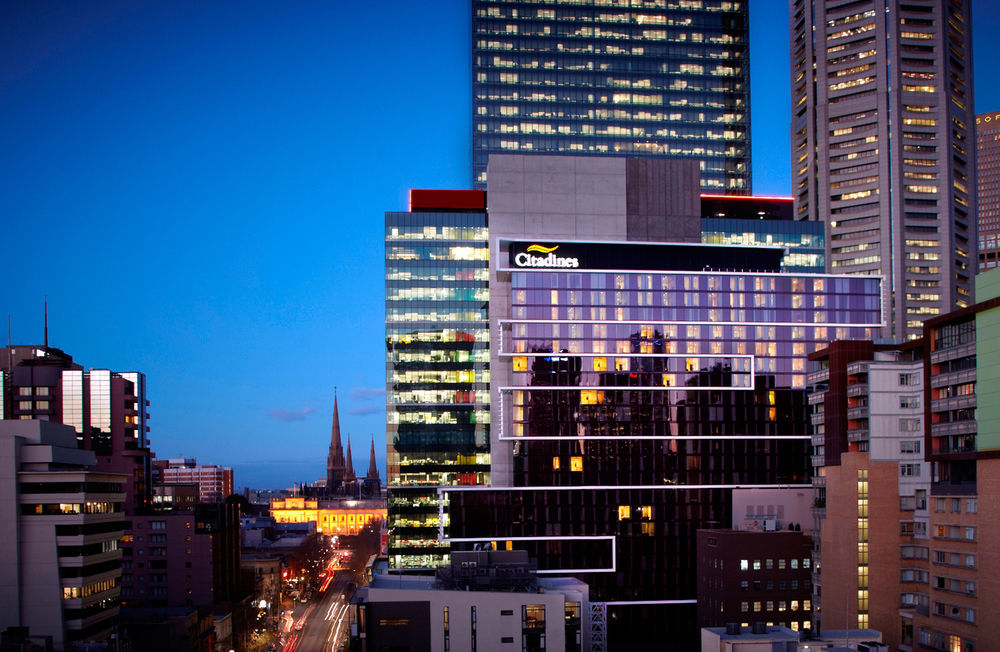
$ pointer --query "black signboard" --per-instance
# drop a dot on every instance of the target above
(568, 256)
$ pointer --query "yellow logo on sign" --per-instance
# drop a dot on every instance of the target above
(542, 250)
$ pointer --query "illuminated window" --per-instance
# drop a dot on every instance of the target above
(600, 364)
(520, 363)
(555, 463)
(624, 512)
(576, 463)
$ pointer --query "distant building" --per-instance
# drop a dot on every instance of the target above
(332, 516)
(988, 188)
(754, 577)
(481, 601)
(175, 496)
(61, 570)
(341, 479)
(215, 483)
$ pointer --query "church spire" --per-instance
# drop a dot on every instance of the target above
(372, 467)
(349, 470)
(335, 459)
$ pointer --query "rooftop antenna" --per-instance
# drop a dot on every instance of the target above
(46, 321)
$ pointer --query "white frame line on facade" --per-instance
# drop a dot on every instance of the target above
(692, 322)
(626, 603)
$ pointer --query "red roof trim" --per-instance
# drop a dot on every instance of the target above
(469, 200)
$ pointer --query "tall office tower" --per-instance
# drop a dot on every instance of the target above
(215, 483)
(62, 526)
(437, 364)
(591, 78)
(881, 142)
(107, 409)
(988, 188)
(635, 382)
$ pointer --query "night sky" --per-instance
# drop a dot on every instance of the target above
(199, 190)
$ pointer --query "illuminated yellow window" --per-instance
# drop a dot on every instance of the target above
(520, 363)
(624, 512)
(770, 397)
(600, 364)
(621, 364)
(555, 463)
(669, 380)
(647, 511)
(576, 463)
(772, 413)
(647, 528)
(588, 396)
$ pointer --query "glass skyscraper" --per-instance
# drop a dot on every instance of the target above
(603, 77)
(437, 364)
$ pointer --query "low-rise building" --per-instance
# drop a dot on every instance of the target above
(482, 601)
(754, 577)
(760, 637)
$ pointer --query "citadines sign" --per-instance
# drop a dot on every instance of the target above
(536, 255)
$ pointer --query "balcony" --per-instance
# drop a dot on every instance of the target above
(817, 397)
(820, 376)
(819, 481)
(857, 389)
(953, 378)
(818, 460)
(857, 412)
(953, 403)
(956, 428)
(857, 434)
(954, 352)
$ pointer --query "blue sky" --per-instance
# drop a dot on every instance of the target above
(199, 189)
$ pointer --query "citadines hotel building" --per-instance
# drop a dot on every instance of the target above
(637, 377)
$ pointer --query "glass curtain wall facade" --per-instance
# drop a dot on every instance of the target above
(655, 78)
(638, 400)
(437, 371)
(804, 242)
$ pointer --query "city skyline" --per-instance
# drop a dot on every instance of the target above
(157, 146)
